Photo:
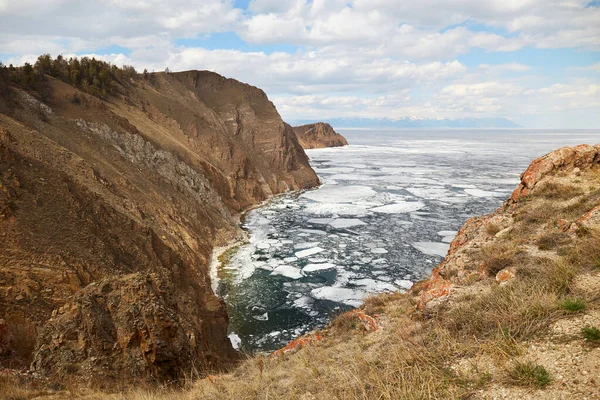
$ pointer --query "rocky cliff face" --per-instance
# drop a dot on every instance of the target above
(109, 210)
(319, 135)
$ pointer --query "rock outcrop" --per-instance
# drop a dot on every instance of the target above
(109, 210)
(319, 135)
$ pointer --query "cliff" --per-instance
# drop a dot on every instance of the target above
(109, 210)
(319, 135)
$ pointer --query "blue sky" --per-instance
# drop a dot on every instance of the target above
(532, 61)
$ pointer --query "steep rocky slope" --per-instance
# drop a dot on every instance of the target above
(109, 210)
(319, 135)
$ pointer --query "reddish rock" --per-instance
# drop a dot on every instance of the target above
(562, 224)
(589, 219)
(581, 156)
(297, 344)
(506, 274)
(369, 323)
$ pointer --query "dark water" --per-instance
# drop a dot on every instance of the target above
(390, 204)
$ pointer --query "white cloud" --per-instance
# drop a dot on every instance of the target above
(355, 57)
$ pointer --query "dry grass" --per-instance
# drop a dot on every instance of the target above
(552, 240)
(492, 229)
(497, 256)
(519, 310)
(558, 191)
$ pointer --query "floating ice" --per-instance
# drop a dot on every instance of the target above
(336, 208)
(464, 186)
(372, 285)
(403, 283)
(288, 271)
(309, 252)
(480, 193)
(351, 297)
(447, 233)
(379, 250)
(318, 267)
(432, 248)
(341, 223)
(448, 239)
(263, 245)
(304, 302)
(262, 317)
(336, 194)
(430, 192)
(313, 231)
(305, 245)
(400, 207)
(320, 221)
(290, 259)
(235, 340)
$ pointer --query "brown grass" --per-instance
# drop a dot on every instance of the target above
(558, 191)
(497, 256)
(552, 240)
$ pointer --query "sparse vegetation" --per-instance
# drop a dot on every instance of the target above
(591, 334)
(497, 256)
(528, 374)
(492, 229)
(572, 305)
(553, 240)
(558, 191)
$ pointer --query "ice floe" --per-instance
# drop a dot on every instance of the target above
(400, 207)
(288, 271)
(351, 297)
(341, 223)
(480, 193)
(309, 252)
(374, 286)
(403, 283)
(335, 194)
(235, 340)
(318, 267)
(432, 248)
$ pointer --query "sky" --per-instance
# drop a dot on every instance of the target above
(536, 62)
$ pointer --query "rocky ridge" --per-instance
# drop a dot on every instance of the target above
(109, 210)
(319, 135)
